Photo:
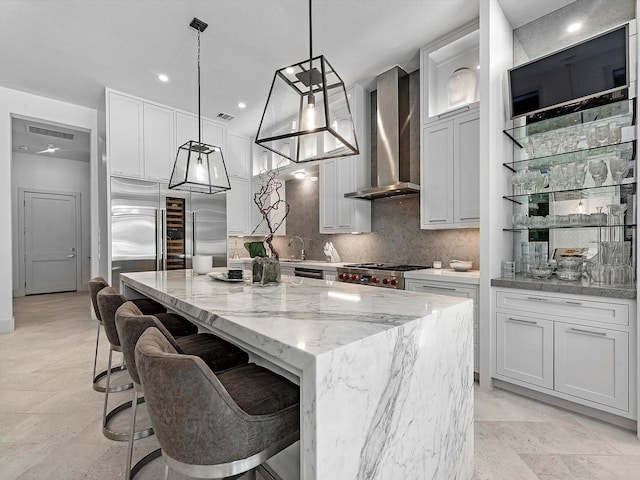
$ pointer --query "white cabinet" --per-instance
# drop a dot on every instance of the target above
(238, 156)
(238, 208)
(450, 169)
(577, 348)
(454, 290)
(213, 133)
(524, 349)
(343, 175)
(592, 363)
(159, 142)
(124, 135)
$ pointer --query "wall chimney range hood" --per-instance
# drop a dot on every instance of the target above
(392, 169)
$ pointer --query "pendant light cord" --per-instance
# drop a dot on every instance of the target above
(199, 122)
(310, 34)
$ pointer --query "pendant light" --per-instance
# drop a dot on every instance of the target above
(199, 167)
(307, 115)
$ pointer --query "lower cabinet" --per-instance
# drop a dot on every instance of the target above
(563, 352)
(452, 289)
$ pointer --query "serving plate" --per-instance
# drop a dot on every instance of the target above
(222, 276)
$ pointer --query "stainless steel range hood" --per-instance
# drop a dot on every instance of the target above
(392, 169)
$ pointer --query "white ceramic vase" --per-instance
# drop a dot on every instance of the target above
(461, 87)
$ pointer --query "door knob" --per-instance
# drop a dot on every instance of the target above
(70, 256)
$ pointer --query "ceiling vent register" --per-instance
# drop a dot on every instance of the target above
(225, 116)
(50, 133)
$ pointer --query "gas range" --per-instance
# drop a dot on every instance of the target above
(388, 275)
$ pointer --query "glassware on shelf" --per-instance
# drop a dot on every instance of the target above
(619, 167)
(615, 133)
(590, 137)
(598, 170)
(598, 218)
(602, 133)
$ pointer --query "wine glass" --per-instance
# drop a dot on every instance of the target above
(619, 167)
(602, 133)
(598, 170)
(591, 138)
(615, 133)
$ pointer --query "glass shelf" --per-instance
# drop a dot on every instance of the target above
(626, 189)
(624, 150)
(620, 113)
(564, 227)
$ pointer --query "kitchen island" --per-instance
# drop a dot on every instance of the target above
(385, 376)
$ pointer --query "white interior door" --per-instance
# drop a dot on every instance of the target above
(50, 242)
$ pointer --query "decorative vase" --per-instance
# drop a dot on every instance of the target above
(461, 87)
(266, 270)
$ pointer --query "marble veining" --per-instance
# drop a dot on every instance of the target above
(386, 376)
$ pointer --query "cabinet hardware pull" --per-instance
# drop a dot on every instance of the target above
(454, 112)
(578, 330)
(530, 322)
(439, 288)
(569, 302)
(538, 299)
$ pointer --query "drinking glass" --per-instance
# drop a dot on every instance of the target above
(592, 140)
(619, 168)
(598, 170)
(615, 133)
(602, 133)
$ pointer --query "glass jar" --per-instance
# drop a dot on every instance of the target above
(266, 270)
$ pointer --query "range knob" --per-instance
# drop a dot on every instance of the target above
(353, 278)
(393, 281)
(374, 280)
(385, 281)
(341, 276)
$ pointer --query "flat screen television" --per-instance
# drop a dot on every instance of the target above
(586, 70)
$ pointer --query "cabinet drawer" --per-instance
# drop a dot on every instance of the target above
(443, 288)
(579, 310)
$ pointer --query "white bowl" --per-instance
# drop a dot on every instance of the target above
(461, 265)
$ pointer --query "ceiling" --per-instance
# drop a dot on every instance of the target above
(47, 140)
(71, 49)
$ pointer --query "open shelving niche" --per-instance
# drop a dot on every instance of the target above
(557, 211)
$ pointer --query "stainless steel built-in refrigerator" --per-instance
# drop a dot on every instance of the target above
(154, 228)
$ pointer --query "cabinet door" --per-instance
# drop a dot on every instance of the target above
(467, 169)
(238, 212)
(214, 133)
(524, 349)
(125, 136)
(186, 128)
(159, 147)
(345, 183)
(237, 156)
(593, 364)
(436, 193)
(328, 192)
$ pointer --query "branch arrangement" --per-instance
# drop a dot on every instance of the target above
(269, 199)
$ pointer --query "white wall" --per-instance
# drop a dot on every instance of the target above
(52, 174)
(33, 106)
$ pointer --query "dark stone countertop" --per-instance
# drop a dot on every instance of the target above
(580, 287)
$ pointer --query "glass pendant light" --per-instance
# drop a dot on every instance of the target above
(199, 167)
(307, 115)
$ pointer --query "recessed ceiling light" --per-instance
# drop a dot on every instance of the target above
(290, 70)
(313, 179)
(242, 105)
(163, 78)
(574, 27)
(300, 175)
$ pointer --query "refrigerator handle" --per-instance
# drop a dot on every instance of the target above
(164, 238)
(158, 240)
(193, 234)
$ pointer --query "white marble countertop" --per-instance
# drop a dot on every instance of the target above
(386, 376)
(445, 274)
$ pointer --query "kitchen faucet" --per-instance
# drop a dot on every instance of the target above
(302, 255)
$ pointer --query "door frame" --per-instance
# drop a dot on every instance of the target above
(22, 277)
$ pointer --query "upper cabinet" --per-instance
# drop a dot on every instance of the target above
(449, 74)
(124, 135)
(238, 156)
(213, 133)
(348, 174)
(158, 141)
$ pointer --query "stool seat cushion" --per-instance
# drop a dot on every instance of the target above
(259, 391)
(148, 306)
(177, 325)
(217, 353)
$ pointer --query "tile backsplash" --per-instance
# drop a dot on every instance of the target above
(396, 235)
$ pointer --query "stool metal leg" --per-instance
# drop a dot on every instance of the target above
(107, 417)
(97, 377)
(132, 472)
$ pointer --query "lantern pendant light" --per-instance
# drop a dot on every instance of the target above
(199, 167)
(307, 115)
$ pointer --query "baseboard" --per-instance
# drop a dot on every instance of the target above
(7, 326)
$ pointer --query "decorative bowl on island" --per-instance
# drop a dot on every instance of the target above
(461, 265)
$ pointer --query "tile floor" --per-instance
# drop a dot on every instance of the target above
(50, 427)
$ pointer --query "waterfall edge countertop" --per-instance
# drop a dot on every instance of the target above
(386, 376)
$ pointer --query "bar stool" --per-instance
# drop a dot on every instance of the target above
(148, 306)
(214, 425)
(109, 300)
(216, 352)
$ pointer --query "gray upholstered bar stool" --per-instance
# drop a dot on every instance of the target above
(148, 306)
(214, 425)
(217, 353)
(109, 300)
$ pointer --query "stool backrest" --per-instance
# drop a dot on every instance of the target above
(109, 300)
(130, 324)
(195, 419)
(95, 285)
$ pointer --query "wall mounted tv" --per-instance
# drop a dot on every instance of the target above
(586, 70)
